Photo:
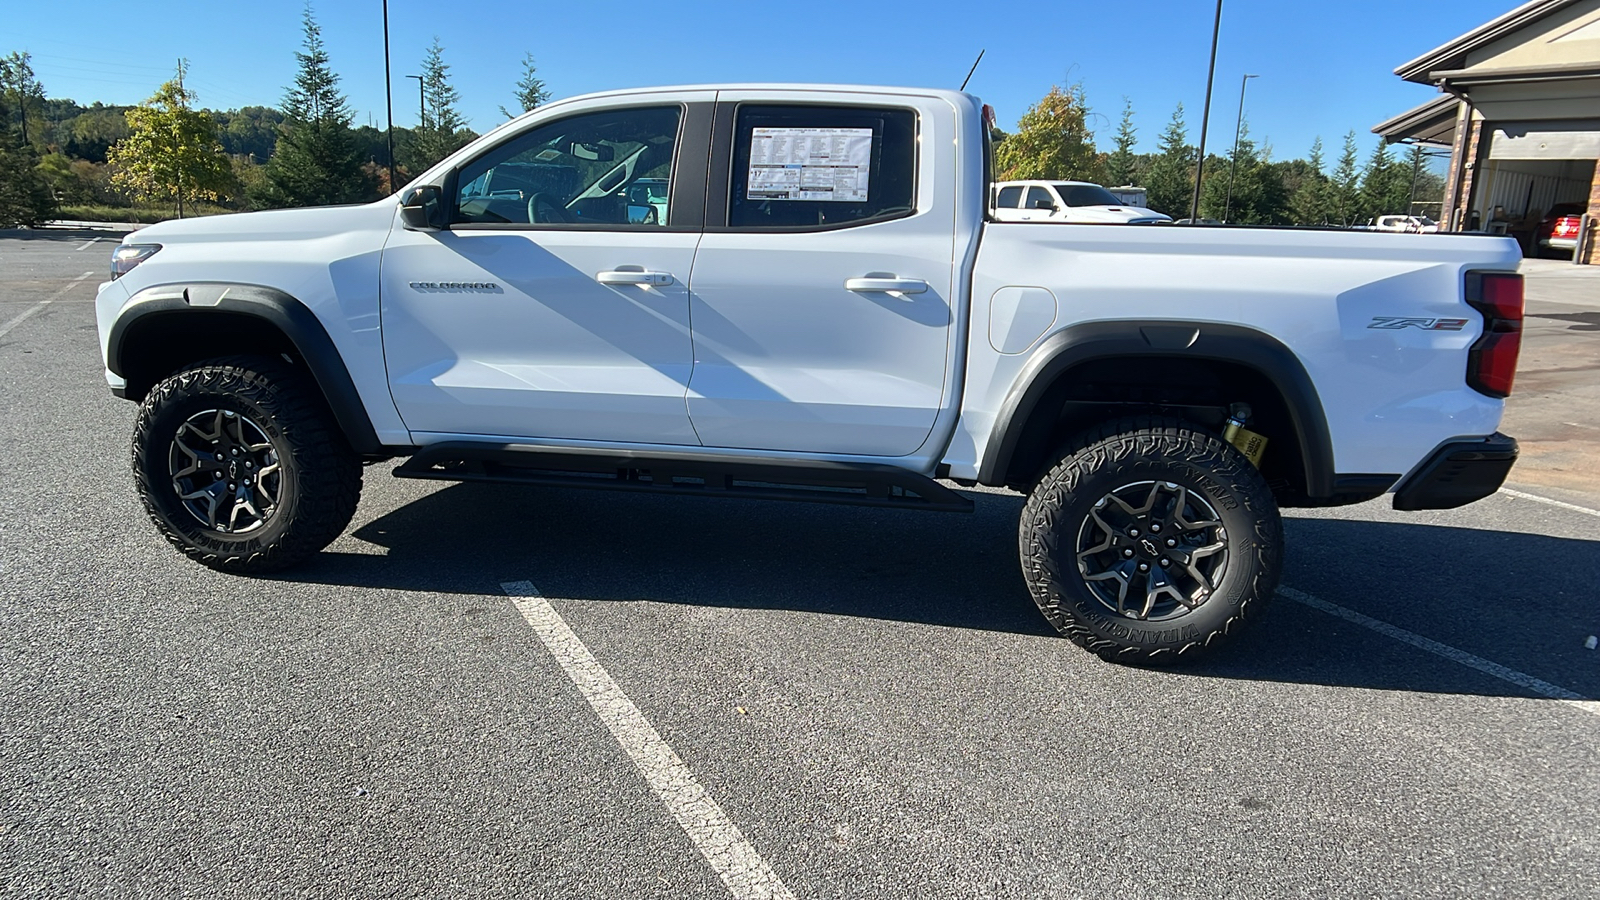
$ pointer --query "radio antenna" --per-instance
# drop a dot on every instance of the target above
(971, 70)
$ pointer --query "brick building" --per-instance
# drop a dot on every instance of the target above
(1519, 110)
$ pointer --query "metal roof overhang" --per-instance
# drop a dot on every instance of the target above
(1465, 78)
(1423, 69)
(1433, 122)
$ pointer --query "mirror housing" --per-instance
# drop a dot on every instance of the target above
(422, 209)
(1044, 204)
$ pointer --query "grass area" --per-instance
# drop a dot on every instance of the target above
(143, 215)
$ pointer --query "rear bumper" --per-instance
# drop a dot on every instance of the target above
(1458, 472)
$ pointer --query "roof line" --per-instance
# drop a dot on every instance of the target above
(1418, 69)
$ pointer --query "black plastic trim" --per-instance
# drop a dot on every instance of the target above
(684, 472)
(1088, 341)
(1458, 472)
(148, 308)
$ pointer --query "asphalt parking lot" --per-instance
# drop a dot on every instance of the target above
(866, 698)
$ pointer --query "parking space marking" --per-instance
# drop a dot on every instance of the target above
(23, 317)
(86, 244)
(745, 873)
(1520, 679)
(1558, 503)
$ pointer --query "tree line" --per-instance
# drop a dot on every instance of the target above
(1053, 141)
(170, 154)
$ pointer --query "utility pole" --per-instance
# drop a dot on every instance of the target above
(1238, 133)
(1205, 118)
(388, 93)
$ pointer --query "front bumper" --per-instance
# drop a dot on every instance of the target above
(1458, 472)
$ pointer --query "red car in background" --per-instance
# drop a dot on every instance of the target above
(1558, 230)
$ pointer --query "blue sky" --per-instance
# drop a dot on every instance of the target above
(1325, 67)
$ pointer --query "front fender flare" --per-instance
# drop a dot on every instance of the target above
(153, 305)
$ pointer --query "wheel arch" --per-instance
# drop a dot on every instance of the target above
(157, 331)
(1034, 408)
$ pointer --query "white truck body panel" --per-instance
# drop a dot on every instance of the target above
(756, 345)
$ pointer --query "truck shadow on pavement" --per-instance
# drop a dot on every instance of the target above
(1520, 600)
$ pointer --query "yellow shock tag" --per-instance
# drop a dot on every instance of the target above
(1252, 445)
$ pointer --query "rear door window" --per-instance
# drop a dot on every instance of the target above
(1010, 197)
(821, 166)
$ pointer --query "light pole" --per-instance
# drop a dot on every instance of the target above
(1238, 134)
(1205, 118)
(422, 103)
(388, 93)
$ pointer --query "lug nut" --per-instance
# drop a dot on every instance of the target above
(1165, 563)
(1172, 542)
(234, 451)
(1144, 567)
(247, 482)
(218, 474)
(219, 456)
(1155, 527)
(1128, 554)
(249, 465)
(1133, 532)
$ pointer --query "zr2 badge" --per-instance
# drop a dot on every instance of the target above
(1396, 323)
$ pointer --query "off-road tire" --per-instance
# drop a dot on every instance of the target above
(1160, 451)
(318, 480)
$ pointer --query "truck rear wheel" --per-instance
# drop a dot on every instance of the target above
(1151, 541)
(241, 467)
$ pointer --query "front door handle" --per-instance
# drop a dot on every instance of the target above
(634, 276)
(889, 284)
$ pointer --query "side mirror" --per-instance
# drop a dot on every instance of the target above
(422, 209)
(1044, 204)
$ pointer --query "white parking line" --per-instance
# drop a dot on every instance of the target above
(745, 873)
(86, 244)
(6, 328)
(1520, 679)
(1538, 499)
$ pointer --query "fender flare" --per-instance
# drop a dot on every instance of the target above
(287, 314)
(1202, 341)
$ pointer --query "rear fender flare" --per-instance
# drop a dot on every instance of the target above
(1234, 344)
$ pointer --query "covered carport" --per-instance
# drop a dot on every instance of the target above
(1520, 111)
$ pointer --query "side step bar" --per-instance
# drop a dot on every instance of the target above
(680, 472)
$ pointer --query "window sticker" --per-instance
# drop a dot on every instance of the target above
(809, 164)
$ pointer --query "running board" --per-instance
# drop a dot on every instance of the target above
(677, 472)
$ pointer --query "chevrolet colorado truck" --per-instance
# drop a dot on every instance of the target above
(801, 292)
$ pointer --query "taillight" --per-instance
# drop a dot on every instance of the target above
(1492, 361)
(1566, 227)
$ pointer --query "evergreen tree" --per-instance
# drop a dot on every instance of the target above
(1052, 141)
(1170, 179)
(531, 92)
(443, 130)
(1122, 165)
(1310, 204)
(1385, 184)
(1344, 193)
(171, 151)
(25, 196)
(24, 94)
(1258, 194)
(316, 160)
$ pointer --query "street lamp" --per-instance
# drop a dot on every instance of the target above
(422, 103)
(1205, 118)
(1238, 133)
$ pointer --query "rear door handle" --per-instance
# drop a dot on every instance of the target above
(872, 284)
(634, 276)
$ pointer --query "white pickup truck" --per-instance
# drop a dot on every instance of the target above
(799, 292)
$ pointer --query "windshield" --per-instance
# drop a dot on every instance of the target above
(1087, 195)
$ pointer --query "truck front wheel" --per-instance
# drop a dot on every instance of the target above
(241, 467)
(1151, 541)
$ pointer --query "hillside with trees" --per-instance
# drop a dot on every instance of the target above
(62, 159)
